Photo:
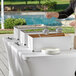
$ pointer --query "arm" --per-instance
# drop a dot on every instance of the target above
(67, 12)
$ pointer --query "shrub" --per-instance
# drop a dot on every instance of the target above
(0, 25)
(11, 22)
(20, 21)
(50, 4)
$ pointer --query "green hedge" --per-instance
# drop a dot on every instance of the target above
(11, 22)
(50, 4)
(19, 0)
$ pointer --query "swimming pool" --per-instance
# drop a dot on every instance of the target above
(37, 19)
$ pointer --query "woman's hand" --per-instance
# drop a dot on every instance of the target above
(73, 24)
(52, 14)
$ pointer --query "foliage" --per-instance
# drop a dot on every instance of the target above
(20, 21)
(61, 4)
(11, 22)
(0, 25)
(50, 4)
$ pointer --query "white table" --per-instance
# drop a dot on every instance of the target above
(23, 62)
(63, 64)
(15, 65)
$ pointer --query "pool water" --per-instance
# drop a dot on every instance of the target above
(36, 19)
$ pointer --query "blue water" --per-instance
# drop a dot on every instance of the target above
(37, 19)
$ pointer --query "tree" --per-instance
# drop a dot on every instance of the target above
(39, 1)
(26, 1)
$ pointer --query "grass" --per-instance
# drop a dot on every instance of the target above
(62, 1)
(65, 29)
(33, 30)
(61, 4)
(68, 29)
(34, 2)
(6, 32)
